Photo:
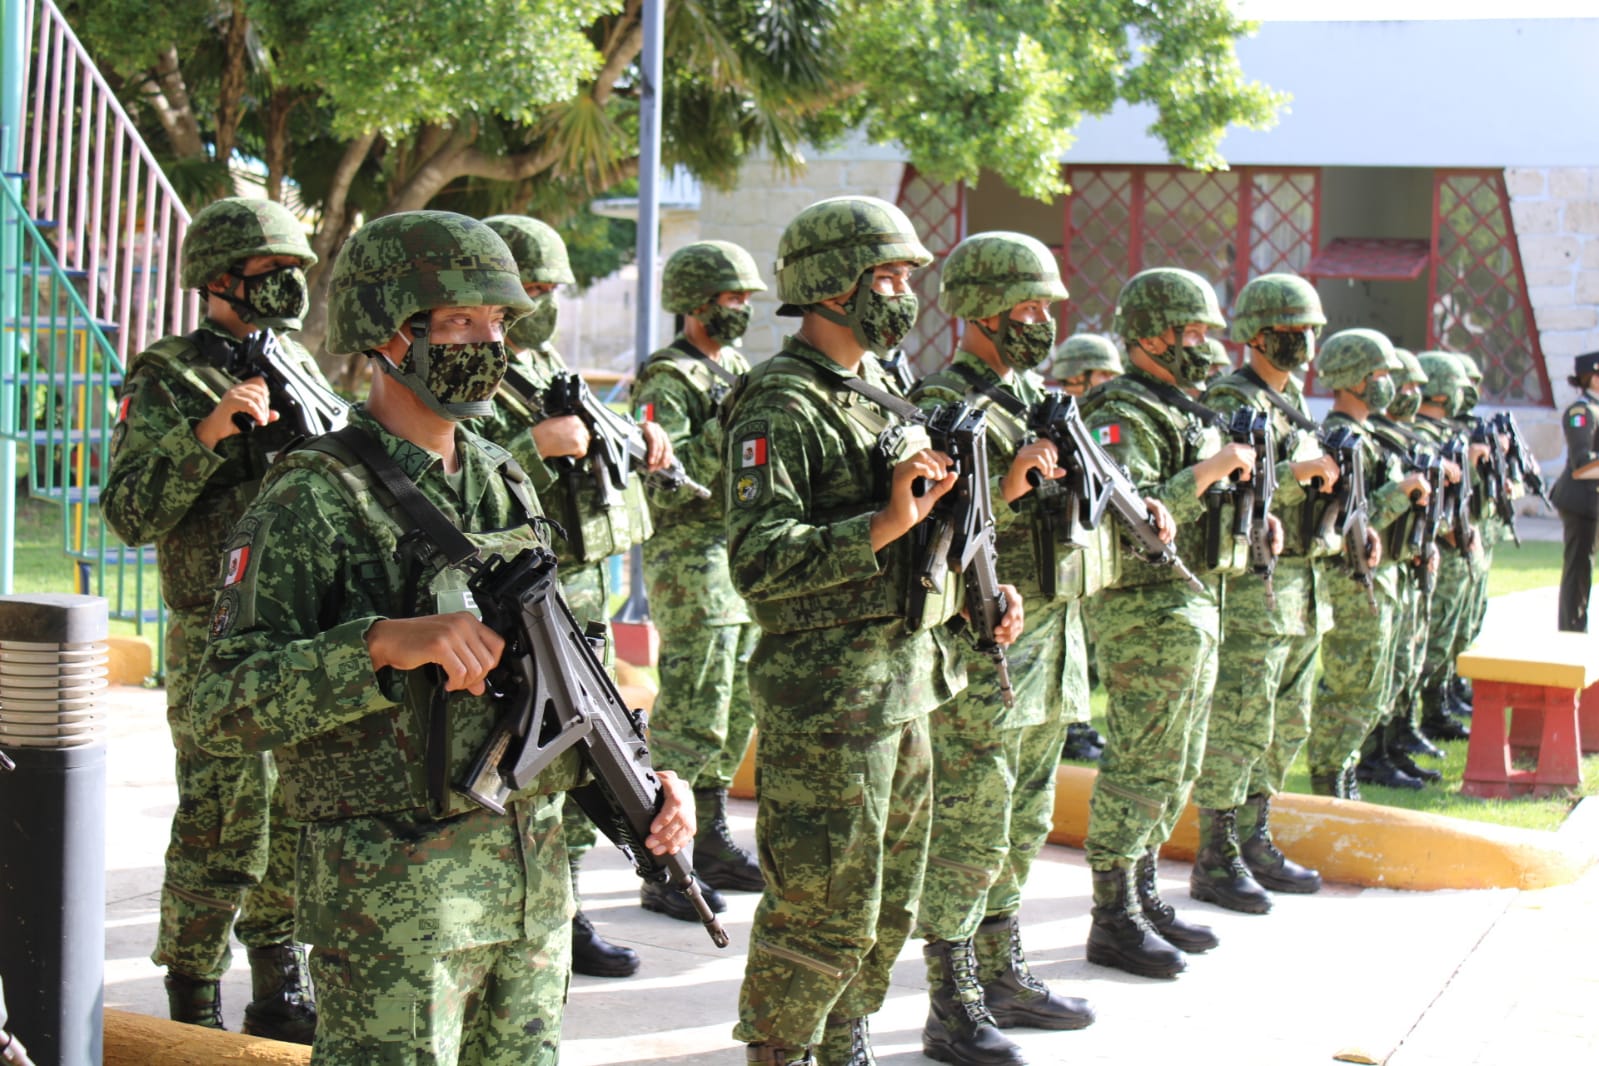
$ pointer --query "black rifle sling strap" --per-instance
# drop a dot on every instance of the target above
(729, 378)
(1174, 397)
(1000, 397)
(426, 518)
(1278, 400)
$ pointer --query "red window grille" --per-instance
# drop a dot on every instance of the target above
(1478, 291)
(1226, 226)
(938, 212)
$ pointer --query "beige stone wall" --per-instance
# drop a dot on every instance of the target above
(1556, 215)
(754, 214)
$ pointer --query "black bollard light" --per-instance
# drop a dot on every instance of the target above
(52, 823)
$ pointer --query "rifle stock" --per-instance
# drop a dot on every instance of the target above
(305, 405)
(559, 697)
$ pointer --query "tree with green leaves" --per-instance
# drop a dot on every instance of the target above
(364, 107)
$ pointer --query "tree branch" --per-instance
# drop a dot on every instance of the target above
(626, 41)
(164, 90)
(335, 207)
(437, 171)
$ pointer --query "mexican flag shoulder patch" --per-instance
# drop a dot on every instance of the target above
(1111, 434)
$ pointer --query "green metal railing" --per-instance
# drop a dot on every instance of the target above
(59, 379)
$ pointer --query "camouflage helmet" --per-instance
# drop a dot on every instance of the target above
(1412, 373)
(990, 273)
(1083, 353)
(1275, 300)
(1473, 370)
(1446, 377)
(234, 229)
(1163, 298)
(398, 265)
(1349, 356)
(539, 251)
(829, 245)
(1218, 353)
(697, 273)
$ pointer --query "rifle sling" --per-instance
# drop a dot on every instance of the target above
(1277, 399)
(728, 377)
(1173, 397)
(425, 517)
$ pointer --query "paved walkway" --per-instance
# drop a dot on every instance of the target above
(1496, 978)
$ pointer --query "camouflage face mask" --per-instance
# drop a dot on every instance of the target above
(726, 324)
(455, 381)
(878, 321)
(535, 327)
(1289, 351)
(1379, 393)
(1188, 363)
(1021, 345)
(277, 299)
(1405, 405)
(1470, 395)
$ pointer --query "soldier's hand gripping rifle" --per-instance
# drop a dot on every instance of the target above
(1521, 463)
(958, 535)
(616, 442)
(1252, 498)
(1100, 482)
(306, 407)
(1457, 496)
(1423, 541)
(1345, 506)
(559, 696)
(1495, 470)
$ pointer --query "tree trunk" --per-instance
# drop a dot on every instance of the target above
(279, 106)
(168, 97)
(332, 229)
(230, 93)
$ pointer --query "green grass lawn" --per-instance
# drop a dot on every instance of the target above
(40, 565)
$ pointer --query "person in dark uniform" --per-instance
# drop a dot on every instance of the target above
(1576, 495)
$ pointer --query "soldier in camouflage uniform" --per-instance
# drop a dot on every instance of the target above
(1397, 428)
(994, 766)
(440, 929)
(182, 472)
(1260, 713)
(1443, 398)
(701, 723)
(821, 469)
(1576, 495)
(1084, 361)
(551, 449)
(1357, 657)
(1156, 636)
(1491, 530)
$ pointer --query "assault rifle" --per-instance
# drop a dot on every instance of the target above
(616, 446)
(1344, 508)
(1252, 498)
(1457, 497)
(306, 407)
(559, 696)
(1423, 541)
(1521, 464)
(1495, 479)
(958, 535)
(1098, 483)
(899, 367)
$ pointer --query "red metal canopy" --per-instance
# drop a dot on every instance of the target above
(1371, 259)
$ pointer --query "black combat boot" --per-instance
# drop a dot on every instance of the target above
(1013, 995)
(718, 860)
(193, 1001)
(1189, 937)
(592, 954)
(1376, 768)
(1083, 743)
(1459, 697)
(959, 1028)
(1405, 738)
(1220, 876)
(1121, 937)
(661, 898)
(1436, 722)
(1273, 869)
(845, 1042)
(1348, 784)
(1425, 774)
(282, 1007)
(777, 1055)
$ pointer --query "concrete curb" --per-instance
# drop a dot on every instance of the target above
(1363, 843)
(139, 1040)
